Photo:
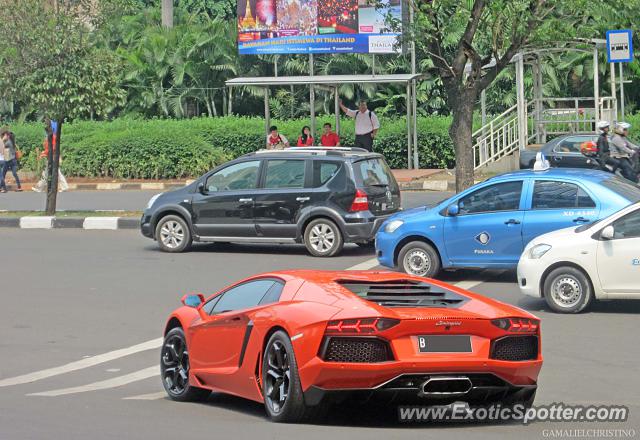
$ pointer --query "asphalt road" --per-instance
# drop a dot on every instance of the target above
(137, 200)
(70, 295)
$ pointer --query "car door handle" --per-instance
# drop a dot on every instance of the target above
(581, 220)
(235, 318)
(302, 199)
(557, 158)
(245, 200)
(512, 221)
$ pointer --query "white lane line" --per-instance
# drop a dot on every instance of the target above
(369, 264)
(468, 284)
(83, 363)
(150, 396)
(104, 384)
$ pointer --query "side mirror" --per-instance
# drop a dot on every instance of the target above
(201, 188)
(608, 233)
(453, 210)
(192, 300)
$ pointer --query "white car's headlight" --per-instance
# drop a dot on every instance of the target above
(152, 200)
(539, 250)
(393, 225)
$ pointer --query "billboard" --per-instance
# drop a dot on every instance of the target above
(317, 26)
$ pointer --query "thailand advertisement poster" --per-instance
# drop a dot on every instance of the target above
(317, 26)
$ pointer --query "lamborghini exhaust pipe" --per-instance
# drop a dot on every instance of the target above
(446, 386)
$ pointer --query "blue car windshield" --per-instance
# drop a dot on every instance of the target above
(622, 187)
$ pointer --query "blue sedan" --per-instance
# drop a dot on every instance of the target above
(488, 225)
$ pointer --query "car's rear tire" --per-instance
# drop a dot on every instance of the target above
(174, 369)
(419, 258)
(281, 388)
(568, 290)
(323, 238)
(173, 234)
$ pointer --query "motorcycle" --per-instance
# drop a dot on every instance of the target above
(589, 149)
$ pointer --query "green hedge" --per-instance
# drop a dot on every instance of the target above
(130, 148)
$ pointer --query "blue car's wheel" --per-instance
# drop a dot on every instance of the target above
(420, 259)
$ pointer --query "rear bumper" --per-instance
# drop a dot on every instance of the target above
(338, 376)
(361, 227)
(483, 388)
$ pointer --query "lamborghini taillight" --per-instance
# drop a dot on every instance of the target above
(517, 325)
(360, 326)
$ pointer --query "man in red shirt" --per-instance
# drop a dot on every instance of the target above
(329, 138)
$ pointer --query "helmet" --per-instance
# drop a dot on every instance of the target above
(603, 124)
(621, 127)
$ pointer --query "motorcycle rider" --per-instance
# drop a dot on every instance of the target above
(624, 151)
(604, 155)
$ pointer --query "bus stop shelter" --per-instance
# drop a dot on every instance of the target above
(332, 83)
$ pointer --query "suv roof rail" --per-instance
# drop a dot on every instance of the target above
(320, 151)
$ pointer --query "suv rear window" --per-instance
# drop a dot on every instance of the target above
(623, 187)
(373, 172)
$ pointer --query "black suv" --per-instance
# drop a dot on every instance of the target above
(317, 196)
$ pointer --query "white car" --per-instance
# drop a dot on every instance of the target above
(572, 267)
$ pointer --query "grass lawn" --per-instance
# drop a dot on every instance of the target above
(61, 214)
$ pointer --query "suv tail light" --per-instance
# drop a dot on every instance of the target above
(360, 201)
(360, 326)
(517, 325)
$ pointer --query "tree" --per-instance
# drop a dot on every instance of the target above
(47, 60)
(471, 42)
(167, 13)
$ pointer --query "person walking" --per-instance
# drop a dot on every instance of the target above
(10, 159)
(305, 139)
(367, 124)
(275, 140)
(329, 137)
(624, 151)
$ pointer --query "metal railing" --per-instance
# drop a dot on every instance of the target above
(499, 138)
(546, 117)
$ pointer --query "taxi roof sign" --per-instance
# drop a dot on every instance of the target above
(619, 46)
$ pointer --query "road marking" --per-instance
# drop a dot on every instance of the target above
(150, 396)
(104, 384)
(83, 363)
(468, 284)
(369, 264)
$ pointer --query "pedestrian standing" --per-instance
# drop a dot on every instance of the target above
(329, 137)
(305, 139)
(367, 124)
(10, 159)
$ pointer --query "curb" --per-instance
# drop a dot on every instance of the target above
(428, 185)
(89, 223)
(141, 186)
